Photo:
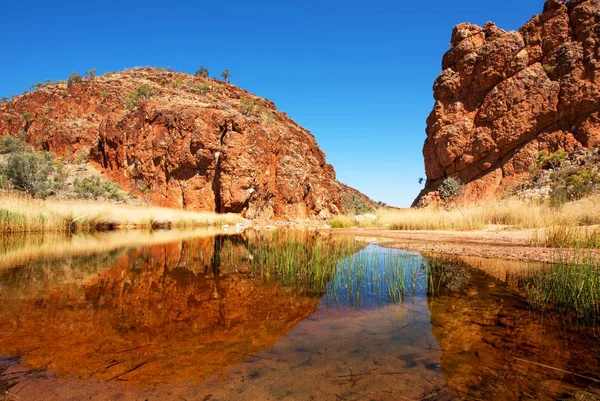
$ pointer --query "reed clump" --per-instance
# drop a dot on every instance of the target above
(570, 287)
(299, 259)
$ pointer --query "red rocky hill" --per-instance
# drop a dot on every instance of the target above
(503, 96)
(182, 141)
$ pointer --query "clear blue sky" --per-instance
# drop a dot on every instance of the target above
(357, 74)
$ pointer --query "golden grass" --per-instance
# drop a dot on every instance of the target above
(17, 249)
(19, 213)
(484, 215)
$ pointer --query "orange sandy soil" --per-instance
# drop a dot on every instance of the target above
(513, 244)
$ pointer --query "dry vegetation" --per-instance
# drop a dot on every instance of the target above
(20, 213)
(573, 224)
(20, 249)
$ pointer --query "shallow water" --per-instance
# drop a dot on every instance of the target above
(196, 316)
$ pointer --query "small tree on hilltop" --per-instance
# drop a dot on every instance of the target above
(225, 74)
(91, 74)
(202, 72)
(73, 78)
(451, 189)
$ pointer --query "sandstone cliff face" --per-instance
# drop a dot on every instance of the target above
(503, 96)
(192, 143)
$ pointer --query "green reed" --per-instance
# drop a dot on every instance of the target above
(570, 287)
(298, 259)
(377, 275)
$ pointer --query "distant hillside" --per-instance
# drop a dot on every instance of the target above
(183, 141)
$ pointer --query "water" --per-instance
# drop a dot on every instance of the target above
(198, 316)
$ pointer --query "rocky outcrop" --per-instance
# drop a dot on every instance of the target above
(503, 96)
(182, 141)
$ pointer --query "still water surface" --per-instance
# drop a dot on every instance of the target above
(236, 317)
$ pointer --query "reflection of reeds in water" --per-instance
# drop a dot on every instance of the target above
(376, 275)
(570, 287)
(330, 265)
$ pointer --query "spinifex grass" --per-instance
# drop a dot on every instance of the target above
(569, 287)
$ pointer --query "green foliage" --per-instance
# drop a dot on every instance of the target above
(569, 287)
(198, 88)
(226, 75)
(134, 98)
(202, 72)
(356, 204)
(573, 184)
(10, 144)
(551, 160)
(91, 74)
(73, 79)
(549, 69)
(95, 188)
(250, 107)
(26, 170)
(4, 99)
(451, 189)
(30, 172)
(26, 117)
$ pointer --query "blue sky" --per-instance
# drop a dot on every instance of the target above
(357, 74)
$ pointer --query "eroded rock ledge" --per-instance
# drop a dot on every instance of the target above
(187, 142)
(503, 96)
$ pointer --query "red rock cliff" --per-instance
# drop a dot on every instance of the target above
(503, 96)
(186, 142)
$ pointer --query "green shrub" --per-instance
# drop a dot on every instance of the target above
(4, 99)
(10, 144)
(572, 184)
(73, 79)
(354, 204)
(202, 72)
(551, 160)
(95, 188)
(134, 98)
(30, 172)
(91, 74)
(26, 117)
(226, 75)
(451, 189)
(249, 107)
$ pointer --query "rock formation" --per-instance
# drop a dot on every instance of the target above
(503, 96)
(182, 141)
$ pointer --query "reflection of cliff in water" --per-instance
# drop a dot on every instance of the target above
(493, 346)
(157, 314)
